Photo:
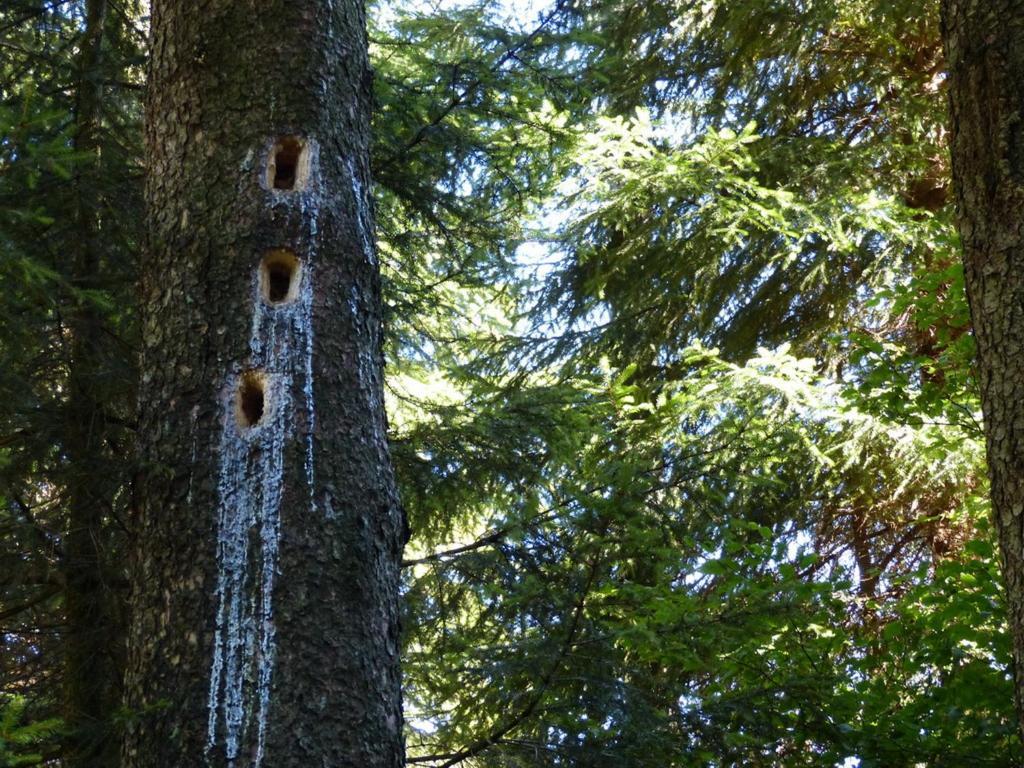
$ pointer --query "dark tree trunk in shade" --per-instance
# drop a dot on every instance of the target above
(984, 43)
(94, 631)
(265, 627)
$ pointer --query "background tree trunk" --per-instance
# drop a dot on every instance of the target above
(269, 537)
(984, 43)
(94, 643)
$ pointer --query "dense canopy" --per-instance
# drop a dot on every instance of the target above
(679, 375)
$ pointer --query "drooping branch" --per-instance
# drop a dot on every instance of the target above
(499, 732)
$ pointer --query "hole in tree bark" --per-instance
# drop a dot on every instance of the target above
(279, 276)
(288, 166)
(249, 401)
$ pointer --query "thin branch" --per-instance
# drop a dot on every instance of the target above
(498, 733)
(31, 602)
(509, 55)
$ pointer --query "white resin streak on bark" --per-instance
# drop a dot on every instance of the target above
(362, 212)
(250, 487)
(366, 363)
(310, 212)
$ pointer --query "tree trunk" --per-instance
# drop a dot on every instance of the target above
(93, 637)
(265, 626)
(985, 49)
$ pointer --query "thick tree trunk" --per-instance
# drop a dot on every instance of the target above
(985, 49)
(266, 570)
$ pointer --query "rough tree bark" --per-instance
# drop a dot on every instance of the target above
(984, 41)
(269, 535)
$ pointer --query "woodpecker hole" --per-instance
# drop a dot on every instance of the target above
(279, 276)
(249, 401)
(288, 165)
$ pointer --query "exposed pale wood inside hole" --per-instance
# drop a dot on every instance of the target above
(280, 274)
(288, 164)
